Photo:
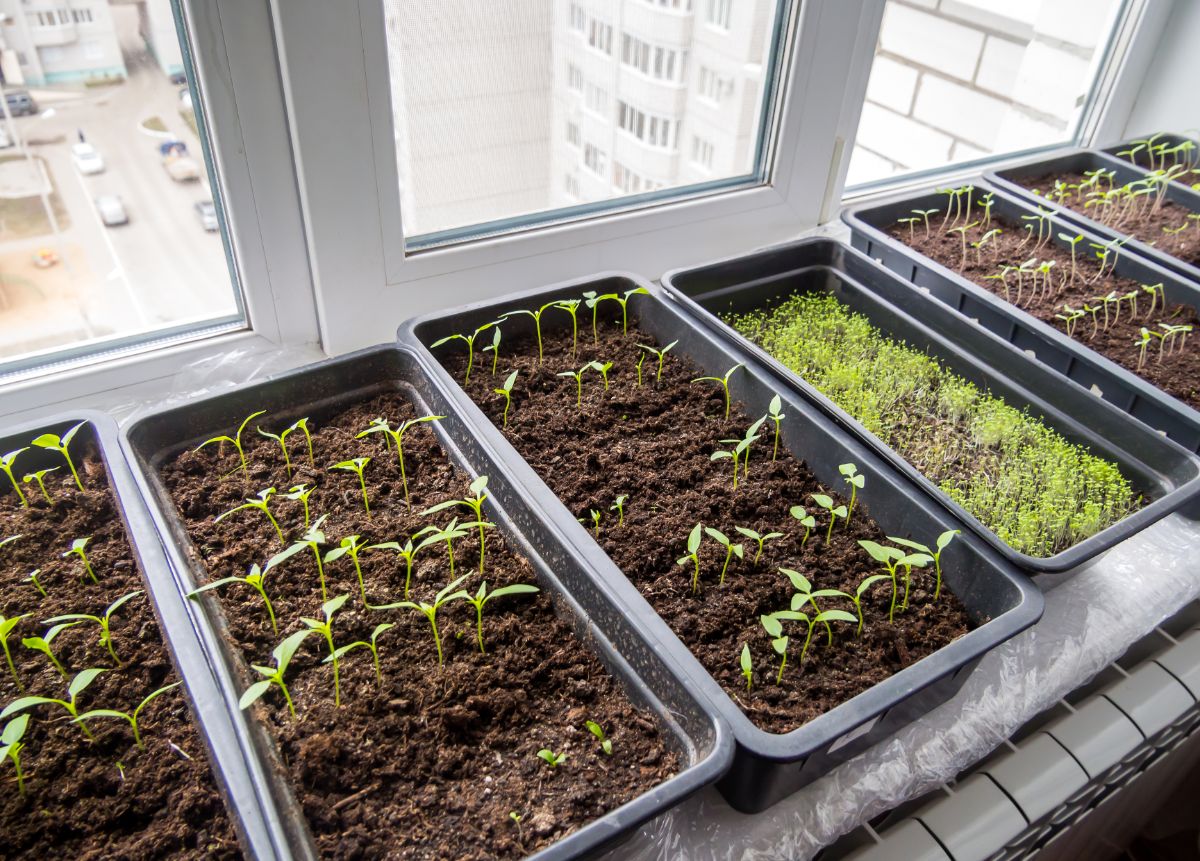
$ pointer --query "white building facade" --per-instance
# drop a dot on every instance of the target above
(59, 42)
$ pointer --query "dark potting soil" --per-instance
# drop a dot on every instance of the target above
(430, 763)
(1146, 224)
(652, 443)
(105, 799)
(1176, 373)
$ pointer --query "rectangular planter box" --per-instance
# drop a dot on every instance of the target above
(651, 679)
(1157, 468)
(217, 723)
(1080, 160)
(1073, 359)
(767, 766)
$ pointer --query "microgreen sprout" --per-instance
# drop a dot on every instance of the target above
(77, 686)
(806, 520)
(481, 598)
(33, 578)
(747, 666)
(516, 818)
(105, 621)
(129, 717)
(891, 558)
(551, 758)
(603, 368)
(6, 627)
(324, 627)
(824, 617)
(641, 361)
(661, 355)
(312, 539)
(452, 531)
(39, 477)
(759, 538)
(724, 381)
(235, 441)
(350, 546)
(79, 548)
(731, 550)
(806, 595)
(693, 548)
(11, 746)
(301, 492)
(60, 445)
(571, 306)
(9, 540)
(505, 391)
(255, 579)
(619, 507)
(591, 300)
(578, 377)
(595, 518)
(397, 435)
(430, 610)
(834, 513)
(912, 223)
(469, 340)
(474, 503)
(750, 437)
(856, 482)
(408, 553)
(598, 731)
(943, 541)
(494, 348)
(261, 502)
(6, 465)
(774, 412)
(859, 591)
(779, 642)
(740, 447)
(357, 465)
(537, 321)
(281, 439)
(45, 645)
(372, 646)
(282, 654)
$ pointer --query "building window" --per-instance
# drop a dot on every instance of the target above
(573, 134)
(600, 36)
(595, 99)
(82, 16)
(654, 130)
(662, 63)
(702, 152)
(712, 86)
(718, 13)
(578, 19)
(594, 159)
(571, 184)
(574, 78)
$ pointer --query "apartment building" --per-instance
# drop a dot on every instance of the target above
(59, 41)
(156, 26)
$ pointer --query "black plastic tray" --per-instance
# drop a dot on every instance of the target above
(768, 766)
(1009, 180)
(687, 721)
(1071, 358)
(214, 721)
(1158, 468)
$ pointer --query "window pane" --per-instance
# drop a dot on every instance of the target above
(974, 78)
(108, 231)
(508, 113)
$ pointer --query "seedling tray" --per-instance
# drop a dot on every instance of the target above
(217, 726)
(1170, 140)
(767, 766)
(688, 723)
(1159, 469)
(1011, 179)
(1053, 348)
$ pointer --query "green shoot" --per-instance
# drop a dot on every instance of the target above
(735, 454)
(302, 426)
(6, 465)
(372, 646)
(6, 627)
(356, 465)
(105, 621)
(262, 503)
(281, 439)
(129, 717)
(516, 818)
(661, 355)
(598, 731)
(301, 492)
(856, 482)
(641, 360)
(759, 538)
(397, 436)
(834, 513)
(79, 548)
(408, 553)
(595, 516)
(45, 645)
(747, 666)
(623, 301)
(505, 391)
(571, 306)
(578, 377)
(452, 531)
(693, 548)
(552, 759)
(235, 441)
(824, 617)
(33, 578)
(324, 627)
(60, 445)
(494, 349)
(774, 412)
(11, 746)
(40, 477)
(537, 321)
(806, 595)
(469, 340)
(603, 368)
(731, 550)
(77, 686)
(866, 584)
(283, 654)
(724, 381)
(474, 502)
(255, 580)
(430, 610)
(591, 300)
(943, 541)
(779, 642)
(806, 520)
(619, 507)
(312, 540)
(483, 596)
(350, 546)
(9, 540)
(891, 558)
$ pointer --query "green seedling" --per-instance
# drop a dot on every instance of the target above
(105, 621)
(552, 759)
(806, 595)
(571, 306)
(7, 626)
(779, 642)
(693, 548)
(758, 538)
(350, 546)
(453, 531)
(660, 355)
(861, 590)
(494, 349)
(312, 540)
(255, 579)
(910, 561)
(45, 645)
(6, 465)
(598, 731)
(11, 746)
(61, 444)
(1142, 343)
(357, 465)
(12, 539)
(731, 550)
(623, 301)
(430, 610)
(595, 517)
(892, 558)
(33, 578)
(912, 223)
(77, 686)
(282, 654)
(40, 478)
(775, 414)
(641, 360)
(747, 666)
(578, 377)
(505, 391)
(301, 492)
(474, 503)
(397, 435)
(481, 598)
(751, 435)
(724, 381)
(324, 627)
(537, 321)
(129, 717)
(372, 646)
(1156, 296)
(740, 447)
(619, 507)
(408, 553)
(806, 520)
(924, 215)
(260, 502)
(79, 548)
(469, 340)
(516, 818)
(591, 300)
(824, 617)
(943, 541)
(826, 503)
(236, 442)
(603, 368)
(856, 482)
(281, 439)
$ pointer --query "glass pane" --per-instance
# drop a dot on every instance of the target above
(964, 79)
(508, 114)
(108, 232)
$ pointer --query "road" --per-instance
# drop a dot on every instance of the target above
(163, 268)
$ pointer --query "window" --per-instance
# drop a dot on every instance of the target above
(946, 88)
(81, 16)
(573, 134)
(578, 18)
(628, 182)
(594, 159)
(718, 12)
(571, 185)
(656, 131)
(712, 86)
(574, 78)
(658, 62)
(596, 99)
(600, 35)
(702, 152)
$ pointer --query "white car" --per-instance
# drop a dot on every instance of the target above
(112, 211)
(86, 158)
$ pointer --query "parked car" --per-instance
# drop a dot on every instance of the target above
(86, 158)
(207, 213)
(180, 166)
(112, 211)
(20, 103)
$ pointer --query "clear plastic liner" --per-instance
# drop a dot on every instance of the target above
(1092, 616)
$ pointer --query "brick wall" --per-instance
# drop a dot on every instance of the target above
(955, 80)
